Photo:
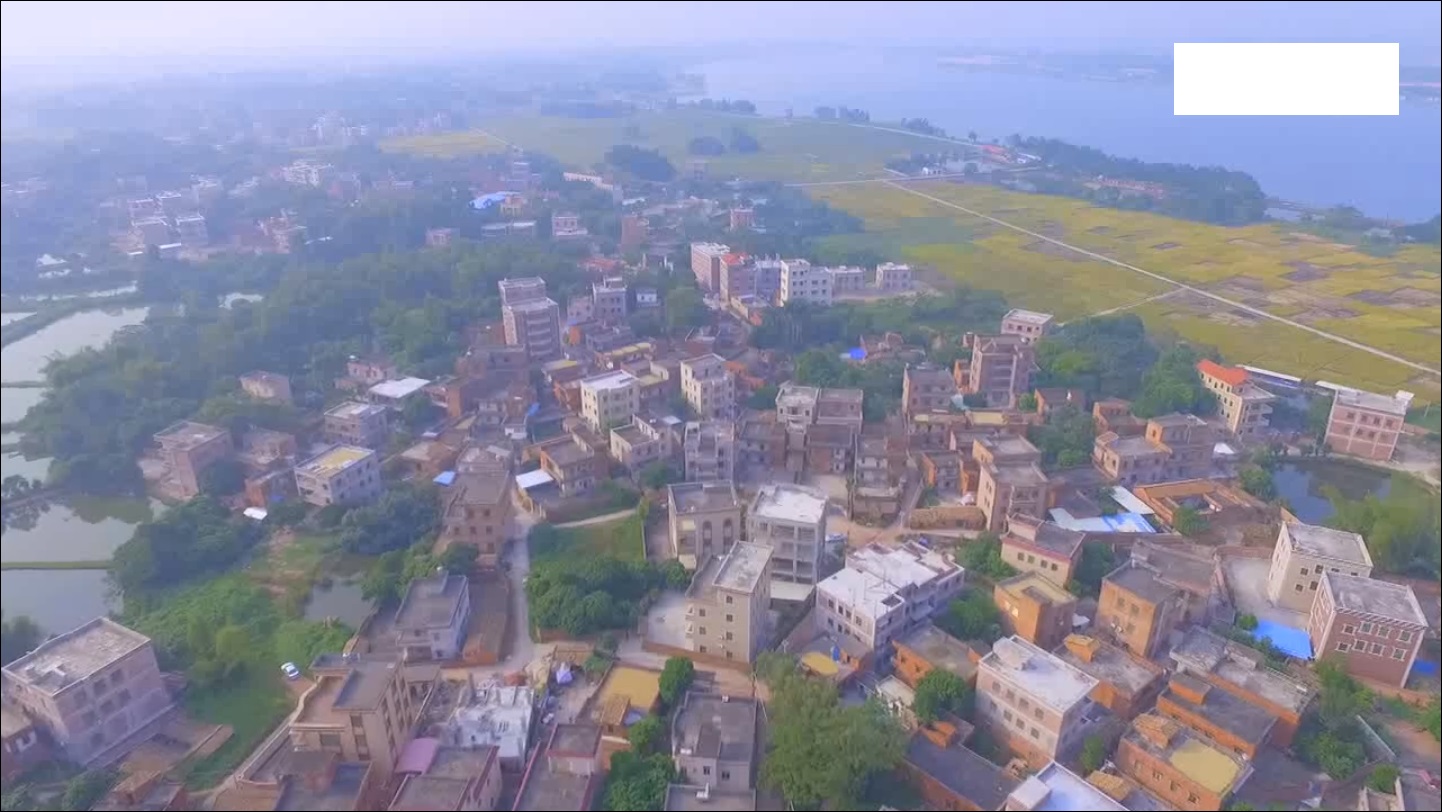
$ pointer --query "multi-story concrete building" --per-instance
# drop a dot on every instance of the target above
(457, 779)
(926, 388)
(1028, 325)
(727, 603)
(1243, 673)
(884, 592)
(1138, 608)
(708, 387)
(151, 231)
(1366, 425)
(894, 277)
(190, 229)
(803, 282)
(95, 691)
(190, 448)
(1126, 685)
(431, 621)
(609, 299)
(761, 442)
(1048, 549)
(1032, 702)
(879, 468)
(1055, 787)
(645, 440)
(476, 510)
(1179, 766)
(340, 475)
(1173, 447)
(567, 226)
(363, 708)
(999, 370)
(707, 259)
(517, 290)
(1374, 628)
(1035, 609)
(1010, 480)
(1303, 553)
(366, 425)
(949, 775)
(705, 520)
(1224, 719)
(713, 741)
(846, 280)
(791, 520)
(564, 773)
(710, 451)
(635, 231)
(536, 325)
(1244, 407)
(927, 648)
(571, 463)
(742, 218)
(263, 385)
(610, 399)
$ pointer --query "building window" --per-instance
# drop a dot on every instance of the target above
(1312, 586)
(1035, 734)
(700, 612)
(730, 618)
(1006, 714)
(725, 775)
(1384, 632)
(1299, 587)
(330, 741)
(1038, 714)
(706, 770)
(1342, 645)
(1366, 628)
(1377, 648)
(1404, 637)
(1349, 629)
(1191, 797)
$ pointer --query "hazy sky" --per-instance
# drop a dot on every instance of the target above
(42, 31)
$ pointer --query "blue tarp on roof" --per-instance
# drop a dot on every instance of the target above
(445, 478)
(492, 199)
(1426, 668)
(532, 409)
(1289, 640)
(856, 353)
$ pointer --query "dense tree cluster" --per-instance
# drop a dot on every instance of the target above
(581, 595)
(18, 637)
(1209, 194)
(1172, 384)
(1330, 738)
(1401, 529)
(973, 616)
(196, 539)
(404, 514)
(1065, 440)
(939, 692)
(644, 164)
(850, 115)
(982, 555)
(1105, 356)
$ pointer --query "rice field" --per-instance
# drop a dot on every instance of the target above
(1392, 303)
(792, 150)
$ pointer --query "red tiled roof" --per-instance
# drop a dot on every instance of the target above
(1231, 376)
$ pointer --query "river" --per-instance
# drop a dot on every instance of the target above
(1301, 483)
(1387, 166)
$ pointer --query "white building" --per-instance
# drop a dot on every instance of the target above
(708, 387)
(885, 592)
(610, 399)
(790, 519)
(1305, 551)
(803, 282)
(710, 451)
(493, 715)
(1029, 324)
(894, 277)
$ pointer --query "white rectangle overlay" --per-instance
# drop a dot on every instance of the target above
(1285, 78)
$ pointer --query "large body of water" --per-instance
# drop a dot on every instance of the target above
(1387, 166)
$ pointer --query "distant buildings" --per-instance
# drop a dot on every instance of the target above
(455, 779)
(441, 237)
(1033, 545)
(476, 510)
(1244, 407)
(1173, 447)
(1126, 685)
(894, 278)
(926, 648)
(948, 775)
(340, 475)
(926, 388)
(708, 387)
(635, 231)
(1243, 673)
(714, 741)
(803, 282)
(742, 219)
(1028, 325)
(191, 230)
(431, 621)
(364, 709)
(564, 773)
(270, 386)
(1373, 628)
(1035, 609)
(706, 263)
(529, 318)
(609, 399)
(1139, 608)
(999, 371)
(1305, 552)
(791, 519)
(359, 424)
(1366, 425)
(1055, 787)
(189, 449)
(1179, 766)
(710, 451)
(609, 300)
(704, 521)
(1010, 480)
(727, 603)
(571, 463)
(95, 692)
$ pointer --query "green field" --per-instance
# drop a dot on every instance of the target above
(624, 539)
(794, 150)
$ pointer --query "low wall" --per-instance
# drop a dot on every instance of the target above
(700, 659)
(966, 517)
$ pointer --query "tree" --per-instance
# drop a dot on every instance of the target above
(763, 398)
(1027, 402)
(234, 645)
(647, 735)
(18, 637)
(645, 164)
(1432, 718)
(382, 582)
(1097, 559)
(982, 556)
(1093, 753)
(637, 782)
(195, 539)
(1247, 622)
(1188, 521)
(685, 311)
(1173, 384)
(676, 677)
(823, 753)
(659, 475)
(86, 789)
(744, 142)
(1065, 440)
(460, 558)
(940, 691)
(705, 145)
(1384, 778)
(973, 616)
(1257, 481)
(1402, 529)
(223, 478)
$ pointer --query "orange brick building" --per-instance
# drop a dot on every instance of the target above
(1126, 685)
(926, 648)
(1179, 766)
(1242, 672)
(1035, 609)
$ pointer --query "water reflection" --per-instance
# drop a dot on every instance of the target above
(1302, 484)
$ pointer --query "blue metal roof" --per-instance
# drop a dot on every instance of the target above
(1289, 640)
(445, 478)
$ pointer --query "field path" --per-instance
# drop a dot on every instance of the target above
(1246, 308)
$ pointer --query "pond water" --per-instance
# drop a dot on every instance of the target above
(15, 401)
(109, 293)
(11, 315)
(338, 598)
(1301, 483)
(25, 359)
(231, 298)
(77, 528)
(58, 600)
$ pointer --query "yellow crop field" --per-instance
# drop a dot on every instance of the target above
(795, 150)
(1388, 302)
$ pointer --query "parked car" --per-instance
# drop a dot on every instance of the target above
(290, 671)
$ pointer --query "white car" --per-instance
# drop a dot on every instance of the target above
(290, 671)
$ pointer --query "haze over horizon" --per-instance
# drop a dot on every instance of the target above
(110, 38)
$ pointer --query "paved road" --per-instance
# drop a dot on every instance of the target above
(1246, 308)
(609, 517)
